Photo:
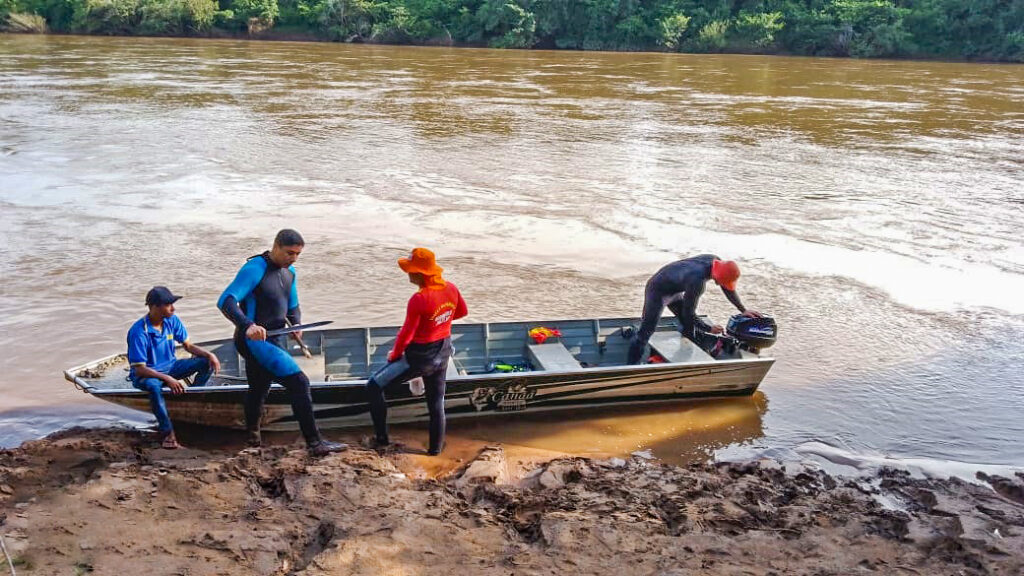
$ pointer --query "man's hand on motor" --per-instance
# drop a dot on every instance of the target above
(716, 329)
(752, 314)
(256, 332)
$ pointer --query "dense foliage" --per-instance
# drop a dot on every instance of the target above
(972, 29)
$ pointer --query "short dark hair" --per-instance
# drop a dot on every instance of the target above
(289, 237)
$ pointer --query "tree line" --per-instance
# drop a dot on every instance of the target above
(951, 29)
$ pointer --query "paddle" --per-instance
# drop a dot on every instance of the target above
(297, 327)
(291, 328)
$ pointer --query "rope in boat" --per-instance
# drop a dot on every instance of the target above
(7, 556)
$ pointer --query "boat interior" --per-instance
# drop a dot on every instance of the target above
(355, 353)
(345, 354)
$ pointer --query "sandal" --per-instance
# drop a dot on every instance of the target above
(169, 442)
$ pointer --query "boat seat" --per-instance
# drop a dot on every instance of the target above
(552, 356)
(452, 371)
(671, 346)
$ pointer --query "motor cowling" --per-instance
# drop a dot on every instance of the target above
(753, 333)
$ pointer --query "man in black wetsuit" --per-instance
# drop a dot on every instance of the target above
(679, 286)
(263, 297)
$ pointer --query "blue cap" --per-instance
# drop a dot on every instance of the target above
(160, 296)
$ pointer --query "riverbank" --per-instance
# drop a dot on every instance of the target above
(943, 29)
(108, 501)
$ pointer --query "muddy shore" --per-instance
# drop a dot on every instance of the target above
(111, 502)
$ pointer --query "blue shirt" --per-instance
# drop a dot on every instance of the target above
(152, 347)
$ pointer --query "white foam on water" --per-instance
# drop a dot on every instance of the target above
(948, 284)
(535, 240)
(920, 467)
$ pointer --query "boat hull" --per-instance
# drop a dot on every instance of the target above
(344, 404)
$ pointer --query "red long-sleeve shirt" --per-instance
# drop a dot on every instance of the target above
(428, 317)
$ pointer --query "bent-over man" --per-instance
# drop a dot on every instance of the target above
(679, 286)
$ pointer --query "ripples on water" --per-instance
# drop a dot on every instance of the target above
(875, 207)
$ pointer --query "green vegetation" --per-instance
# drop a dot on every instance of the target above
(969, 29)
(23, 23)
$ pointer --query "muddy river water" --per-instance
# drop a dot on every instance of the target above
(875, 208)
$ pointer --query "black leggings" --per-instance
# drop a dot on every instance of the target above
(654, 303)
(429, 361)
(298, 390)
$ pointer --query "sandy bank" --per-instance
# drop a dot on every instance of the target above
(109, 502)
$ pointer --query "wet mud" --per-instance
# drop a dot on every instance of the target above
(111, 502)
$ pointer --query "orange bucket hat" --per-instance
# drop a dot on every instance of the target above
(421, 261)
(726, 273)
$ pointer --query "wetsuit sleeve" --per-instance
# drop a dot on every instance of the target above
(412, 321)
(247, 279)
(733, 297)
(233, 312)
(294, 314)
(138, 346)
(460, 307)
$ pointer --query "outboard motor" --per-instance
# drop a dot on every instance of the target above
(752, 333)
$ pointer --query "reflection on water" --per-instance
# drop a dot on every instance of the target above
(678, 432)
(874, 208)
(20, 425)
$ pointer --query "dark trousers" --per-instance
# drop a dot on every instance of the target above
(429, 361)
(260, 380)
(654, 303)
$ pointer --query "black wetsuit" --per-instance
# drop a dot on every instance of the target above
(263, 293)
(679, 286)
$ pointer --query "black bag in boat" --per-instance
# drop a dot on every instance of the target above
(718, 346)
(753, 333)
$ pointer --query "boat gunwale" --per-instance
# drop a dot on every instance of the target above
(328, 385)
(71, 374)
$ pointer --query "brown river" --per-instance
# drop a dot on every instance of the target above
(875, 208)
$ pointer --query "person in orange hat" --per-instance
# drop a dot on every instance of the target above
(422, 347)
(679, 286)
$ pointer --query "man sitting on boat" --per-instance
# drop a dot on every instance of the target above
(679, 286)
(263, 296)
(151, 354)
(422, 347)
